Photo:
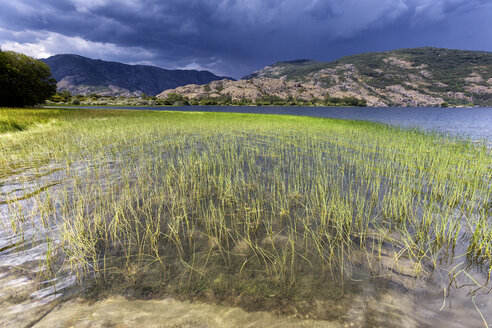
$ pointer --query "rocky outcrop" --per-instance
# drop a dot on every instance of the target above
(406, 77)
(256, 88)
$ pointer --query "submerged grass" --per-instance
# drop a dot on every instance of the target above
(262, 206)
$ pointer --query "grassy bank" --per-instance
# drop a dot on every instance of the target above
(253, 209)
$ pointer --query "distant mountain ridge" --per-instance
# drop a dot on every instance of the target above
(404, 77)
(81, 75)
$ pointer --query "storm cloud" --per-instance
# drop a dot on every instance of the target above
(235, 37)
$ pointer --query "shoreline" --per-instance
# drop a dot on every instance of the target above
(253, 106)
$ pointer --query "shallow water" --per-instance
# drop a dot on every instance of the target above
(165, 313)
(26, 237)
(475, 123)
(370, 308)
(26, 300)
(395, 300)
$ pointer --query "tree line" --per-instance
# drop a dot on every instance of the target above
(24, 81)
(265, 100)
(175, 99)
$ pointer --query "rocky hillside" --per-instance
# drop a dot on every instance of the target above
(81, 75)
(405, 77)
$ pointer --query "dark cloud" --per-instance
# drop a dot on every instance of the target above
(235, 37)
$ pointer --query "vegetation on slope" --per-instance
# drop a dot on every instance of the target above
(404, 77)
(174, 99)
(458, 77)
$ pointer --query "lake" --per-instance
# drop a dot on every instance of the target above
(98, 164)
(475, 123)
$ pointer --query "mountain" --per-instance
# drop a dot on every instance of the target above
(404, 77)
(81, 75)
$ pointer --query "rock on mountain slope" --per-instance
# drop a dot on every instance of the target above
(81, 75)
(404, 77)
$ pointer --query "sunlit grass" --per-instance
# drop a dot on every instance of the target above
(20, 119)
(241, 204)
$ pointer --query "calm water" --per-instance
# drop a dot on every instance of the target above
(27, 302)
(475, 123)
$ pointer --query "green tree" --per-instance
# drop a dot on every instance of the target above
(24, 81)
(208, 102)
(175, 99)
(61, 96)
(66, 95)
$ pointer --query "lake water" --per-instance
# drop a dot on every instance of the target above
(27, 302)
(475, 123)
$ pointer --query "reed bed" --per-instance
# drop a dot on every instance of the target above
(262, 206)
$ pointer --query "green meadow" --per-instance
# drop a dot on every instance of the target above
(253, 210)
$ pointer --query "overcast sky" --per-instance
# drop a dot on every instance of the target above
(236, 37)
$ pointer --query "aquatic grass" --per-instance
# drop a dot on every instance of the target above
(274, 207)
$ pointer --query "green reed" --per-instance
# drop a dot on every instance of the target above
(235, 204)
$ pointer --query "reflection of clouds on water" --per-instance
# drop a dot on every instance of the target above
(16, 258)
(23, 243)
(26, 225)
(55, 287)
(16, 282)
